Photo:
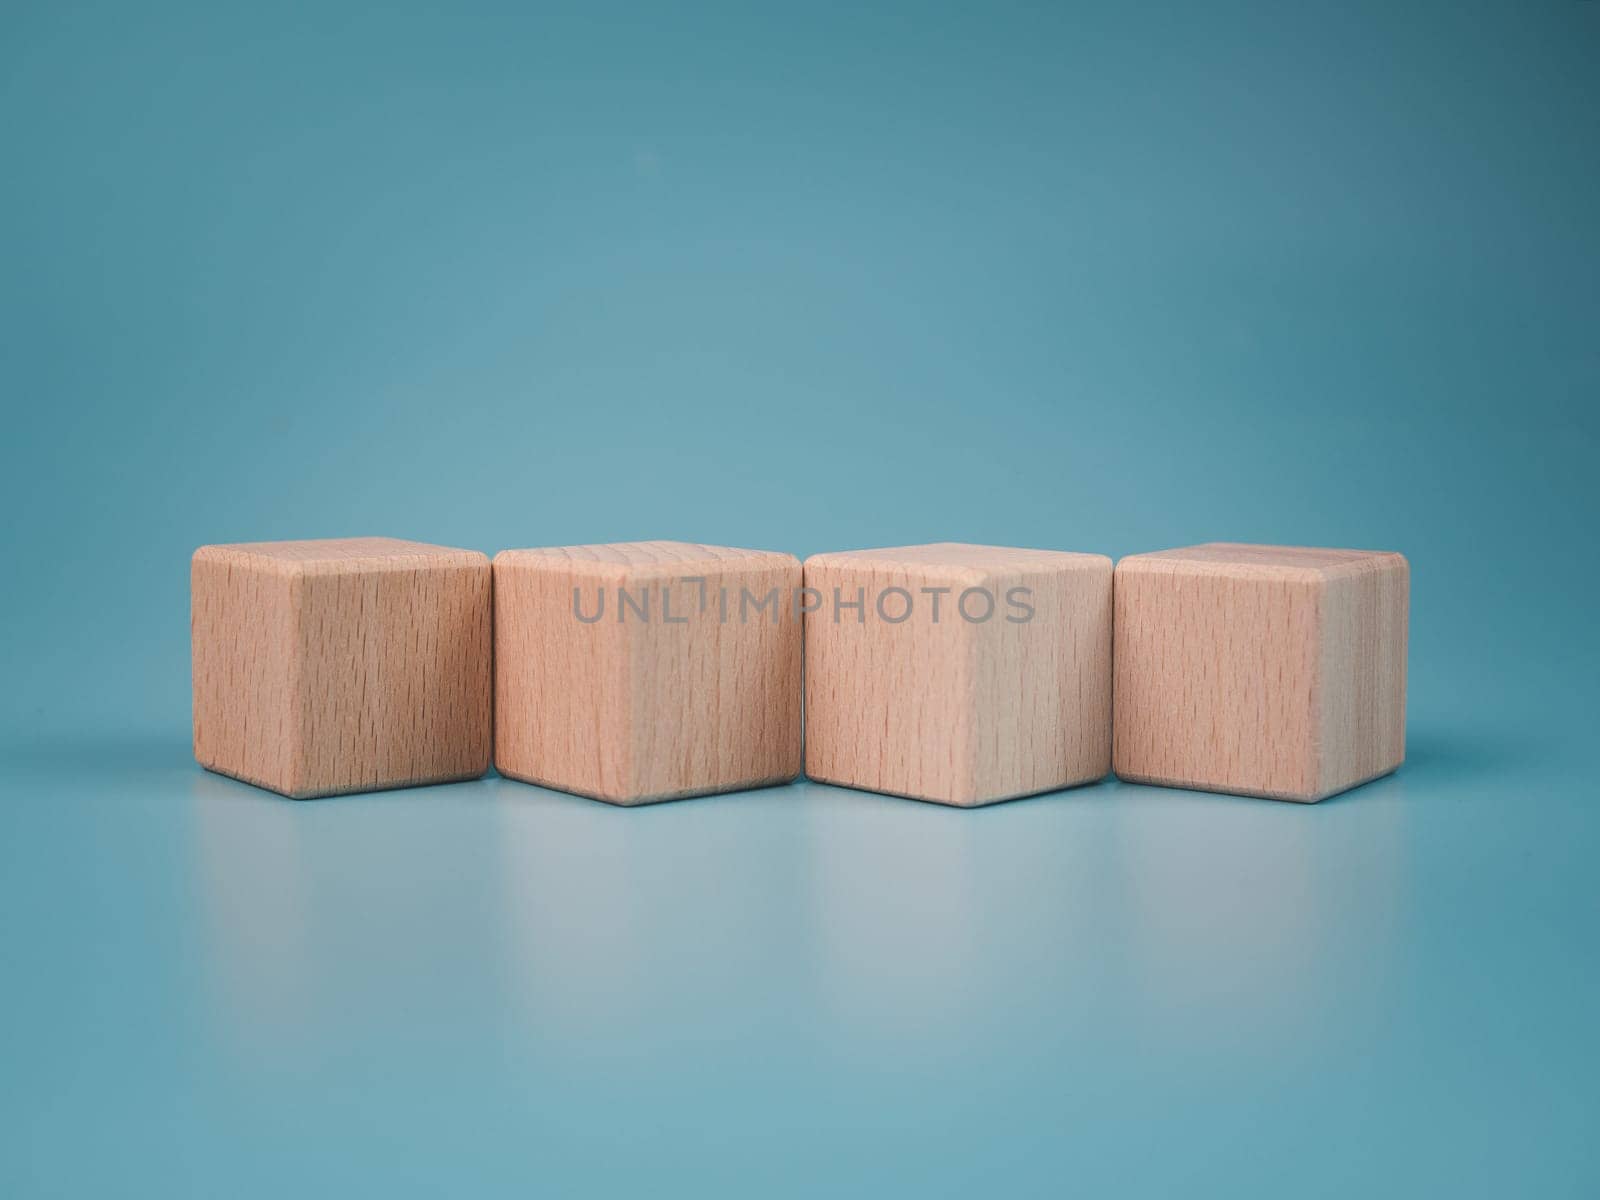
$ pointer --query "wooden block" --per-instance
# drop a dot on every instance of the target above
(1270, 671)
(647, 671)
(969, 674)
(342, 665)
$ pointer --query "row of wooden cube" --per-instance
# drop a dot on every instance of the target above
(652, 670)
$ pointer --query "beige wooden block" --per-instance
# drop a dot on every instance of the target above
(1273, 671)
(970, 674)
(647, 671)
(341, 665)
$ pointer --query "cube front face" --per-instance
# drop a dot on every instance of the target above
(1260, 670)
(343, 665)
(647, 671)
(969, 675)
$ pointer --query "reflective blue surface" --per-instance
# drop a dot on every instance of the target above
(490, 988)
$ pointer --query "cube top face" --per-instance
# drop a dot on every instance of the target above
(959, 674)
(959, 560)
(341, 665)
(620, 561)
(1241, 560)
(339, 555)
(1261, 670)
(647, 671)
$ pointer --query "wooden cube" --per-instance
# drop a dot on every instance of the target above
(1264, 670)
(647, 671)
(343, 665)
(959, 674)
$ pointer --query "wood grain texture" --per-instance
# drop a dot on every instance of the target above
(935, 706)
(682, 689)
(1275, 671)
(341, 665)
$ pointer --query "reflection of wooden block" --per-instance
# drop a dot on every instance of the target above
(942, 686)
(342, 665)
(647, 671)
(1266, 670)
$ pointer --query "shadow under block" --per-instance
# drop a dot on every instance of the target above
(343, 665)
(949, 704)
(647, 671)
(1269, 671)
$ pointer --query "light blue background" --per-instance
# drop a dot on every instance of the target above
(1108, 278)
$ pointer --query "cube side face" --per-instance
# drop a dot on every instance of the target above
(1216, 680)
(1041, 682)
(1362, 698)
(246, 683)
(563, 703)
(714, 671)
(395, 676)
(889, 703)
